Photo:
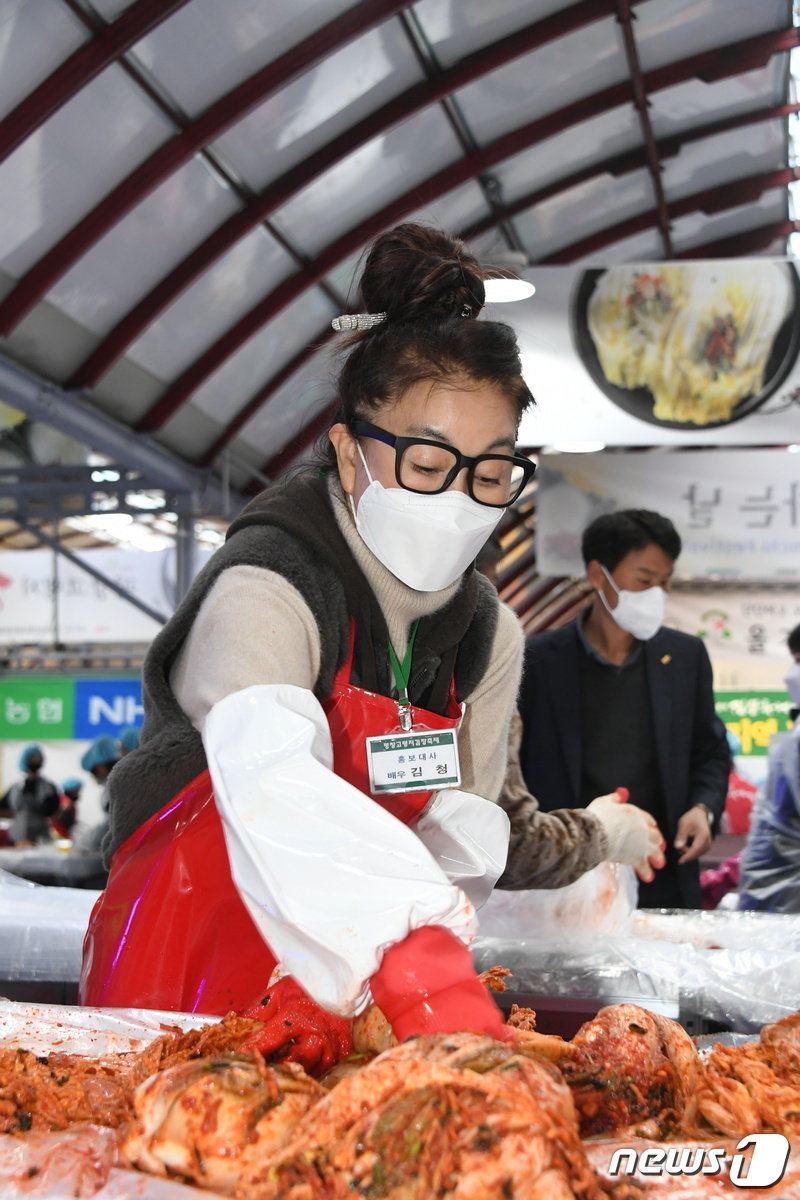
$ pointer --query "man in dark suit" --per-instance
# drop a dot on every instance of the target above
(614, 699)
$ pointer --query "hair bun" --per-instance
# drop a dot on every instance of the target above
(413, 272)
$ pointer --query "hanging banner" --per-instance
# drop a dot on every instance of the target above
(741, 624)
(67, 708)
(737, 511)
(47, 599)
(695, 353)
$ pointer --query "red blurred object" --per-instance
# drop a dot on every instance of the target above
(427, 984)
(716, 882)
(739, 804)
(298, 1029)
(170, 931)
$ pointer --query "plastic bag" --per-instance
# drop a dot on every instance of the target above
(602, 899)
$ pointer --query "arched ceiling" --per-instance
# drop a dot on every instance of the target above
(187, 185)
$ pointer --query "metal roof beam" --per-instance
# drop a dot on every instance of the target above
(710, 64)
(281, 190)
(751, 241)
(225, 112)
(74, 416)
(81, 68)
(616, 165)
(632, 160)
(712, 200)
(642, 105)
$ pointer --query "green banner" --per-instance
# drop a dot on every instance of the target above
(754, 717)
(37, 709)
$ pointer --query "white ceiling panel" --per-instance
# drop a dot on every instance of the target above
(591, 206)
(205, 310)
(640, 247)
(133, 257)
(668, 30)
(454, 211)
(694, 103)
(64, 168)
(733, 155)
(367, 180)
(293, 406)
(207, 48)
(35, 37)
(698, 228)
(558, 157)
(458, 28)
(226, 392)
(111, 9)
(545, 81)
(306, 115)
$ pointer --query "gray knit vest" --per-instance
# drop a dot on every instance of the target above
(291, 529)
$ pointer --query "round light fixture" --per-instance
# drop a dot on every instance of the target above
(577, 447)
(504, 291)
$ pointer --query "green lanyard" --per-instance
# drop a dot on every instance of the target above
(402, 674)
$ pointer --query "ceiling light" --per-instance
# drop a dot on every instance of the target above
(504, 291)
(794, 448)
(577, 447)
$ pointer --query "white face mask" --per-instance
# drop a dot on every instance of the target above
(427, 541)
(639, 613)
(792, 681)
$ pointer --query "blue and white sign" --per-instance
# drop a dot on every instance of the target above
(106, 706)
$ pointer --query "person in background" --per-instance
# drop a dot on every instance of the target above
(342, 622)
(63, 822)
(552, 850)
(99, 760)
(129, 739)
(32, 800)
(615, 699)
(770, 862)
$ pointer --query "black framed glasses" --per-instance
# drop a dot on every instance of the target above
(422, 465)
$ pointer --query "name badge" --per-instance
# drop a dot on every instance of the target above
(419, 761)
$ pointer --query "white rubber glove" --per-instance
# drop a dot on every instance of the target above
(329, 877)
(468, 837)
(633, 836)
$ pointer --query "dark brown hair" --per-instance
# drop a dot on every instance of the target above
(431, 289)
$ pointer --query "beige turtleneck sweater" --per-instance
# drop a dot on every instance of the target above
(255, 627)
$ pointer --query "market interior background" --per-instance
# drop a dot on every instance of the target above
(186, 188)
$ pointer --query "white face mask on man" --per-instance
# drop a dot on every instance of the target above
(792, 681)
(427, 541)
(639, 613)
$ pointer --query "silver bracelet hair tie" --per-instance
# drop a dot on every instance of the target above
(357, 321)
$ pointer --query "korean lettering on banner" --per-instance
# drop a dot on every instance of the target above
(754, 717)
(780, 504)
(36, 709)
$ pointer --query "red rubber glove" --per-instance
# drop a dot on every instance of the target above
(297, 1029)
(427, 984)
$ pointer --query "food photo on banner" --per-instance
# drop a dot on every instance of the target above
(694, 353)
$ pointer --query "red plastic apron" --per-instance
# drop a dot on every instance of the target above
(170, 931)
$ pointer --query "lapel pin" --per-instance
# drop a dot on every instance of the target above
(666, 658)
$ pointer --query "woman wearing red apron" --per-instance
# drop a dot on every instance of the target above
(327, 711)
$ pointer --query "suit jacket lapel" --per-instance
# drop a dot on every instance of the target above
(565, 691)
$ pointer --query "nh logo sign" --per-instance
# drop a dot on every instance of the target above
(106, 706)
(122, 711)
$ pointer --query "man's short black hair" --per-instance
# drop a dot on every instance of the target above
(793, 640)
(613, 535)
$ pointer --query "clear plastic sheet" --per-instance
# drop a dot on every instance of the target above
(741, 969)
(41, 930)
(43, 1028)
(602, 899)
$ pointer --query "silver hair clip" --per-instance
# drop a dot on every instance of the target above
(357, 321)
